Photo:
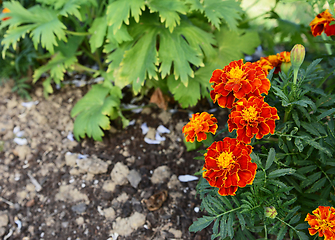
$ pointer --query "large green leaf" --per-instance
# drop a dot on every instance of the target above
(174, 49)
(168, 11)
(93, 111)
(233, 45)
(119, 11)
(218, 10)
(43, 24)
(98, 31)
(139, 62)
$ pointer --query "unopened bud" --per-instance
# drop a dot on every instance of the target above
(270, 212)
(297, 56)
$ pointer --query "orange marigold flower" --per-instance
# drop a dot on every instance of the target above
(252, 117)
(199, 125)
(236, 80)
(323, 221)
(274, 61)
(228, 165)
(5, 10)
(321, 23)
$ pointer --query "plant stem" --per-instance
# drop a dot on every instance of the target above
(327, 45)
(77, 33)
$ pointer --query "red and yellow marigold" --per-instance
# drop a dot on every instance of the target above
(236, 81)
(199, 125)
(228, 165)
(275, 61)
(323, 222)
(322, 23)
(252, 117)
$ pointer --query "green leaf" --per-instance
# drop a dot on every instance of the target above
(319, 147)
(93, 110)
(270, 159)
(201, 223)
(175, 49)
(216, 11)
(282, 232)
(98, 31)
(69, 7)
(302, 235)
(57, 66)
(241, 220)
(233, 45)
(309, 127)
(46, 28)
(119, 11)
(168, 11)
(296, 118)
(281, 172)
(317, 185)
(326, 101)
(139, 62)
(311, 179)
(325, 114)
(230, 225)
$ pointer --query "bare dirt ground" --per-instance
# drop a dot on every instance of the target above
(53, 187)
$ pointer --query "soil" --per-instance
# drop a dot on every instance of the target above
(54, 187)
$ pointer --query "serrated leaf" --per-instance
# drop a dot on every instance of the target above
(278, 92)
(241, 220)
(201, 223)
(216, 11)
(168, 11)
(311, 179)
(325, 114)
(98, 31)
(233, 45)
(70, 7)
(119, 12)
(317, 145)
(174, 49)
(326, 101)
(296, 118)
(57, 67)
(270, 158)
(309, 127)
(230, 225)
(281, 172)
(139, 62)
(92, 113)
(317, 185)
(304, 112)
(282, 232)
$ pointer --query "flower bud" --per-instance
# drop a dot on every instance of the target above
(297, 56)
(270, 212)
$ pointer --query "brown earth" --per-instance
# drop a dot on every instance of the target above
(122, 188)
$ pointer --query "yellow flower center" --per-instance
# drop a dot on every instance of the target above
(235, 75)
(325, 224)
(225, 159)
(249, 114)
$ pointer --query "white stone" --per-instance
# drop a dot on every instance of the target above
(125, 226)
(119, 173)
(134, 178)
(160, 174)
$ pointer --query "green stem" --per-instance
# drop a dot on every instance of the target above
(286, 223)
(80, 67)
(266, 232)
(229, 211)
(327, 45)
(77, 33)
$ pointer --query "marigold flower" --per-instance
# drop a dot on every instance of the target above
(321, 23)
(5, 10)
(323, 221)
(252, 117)
(236, 80)
(228, 165)
(199, 125)
(274, 61)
